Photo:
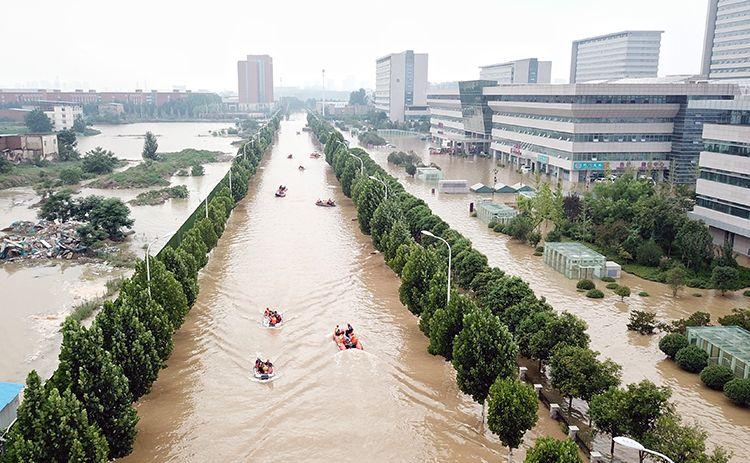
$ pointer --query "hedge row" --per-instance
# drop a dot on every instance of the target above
(85, 411)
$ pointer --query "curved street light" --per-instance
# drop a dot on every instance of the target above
(431, 235)
(385, 185)
(634, 444)
(361, 163)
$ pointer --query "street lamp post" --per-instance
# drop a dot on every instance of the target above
(385, 185)
(634, 444)
(361, 163)
(431, 235)
(148, 265)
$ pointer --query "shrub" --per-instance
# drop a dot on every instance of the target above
(738, 391)
(623, 292)
(197, 170)
(99, 161)
(607, 279)
(71, 175)
(642, 321)
(612, 286)
(644, 294)
(746, 293)
(648, 253)
(554, 236)
(672, 343)
(585, 285)
(692, 359)
(716, 376)
(594, 294)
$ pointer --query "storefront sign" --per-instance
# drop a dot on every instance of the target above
(588, 165)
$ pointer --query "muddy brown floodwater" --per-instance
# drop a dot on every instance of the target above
(390, 402)
(640, 357)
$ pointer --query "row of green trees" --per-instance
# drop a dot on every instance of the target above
(85, 411)
(494, 318)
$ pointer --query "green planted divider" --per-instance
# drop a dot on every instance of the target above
(492, 317)
(85, 411)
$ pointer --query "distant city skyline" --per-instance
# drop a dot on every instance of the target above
(198, 49)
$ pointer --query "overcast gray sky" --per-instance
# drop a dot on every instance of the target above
(196, 44)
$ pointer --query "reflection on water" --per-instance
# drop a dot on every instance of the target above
(639, 355)
(391, 402)
(36, 298)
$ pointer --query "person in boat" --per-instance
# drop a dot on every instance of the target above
(330, 202)
(352, 341)
(263, 368)
(274, 318)
(338, 337)
(267, 313)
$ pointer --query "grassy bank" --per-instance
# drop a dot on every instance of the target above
(84, 310)
(154, 197)
(13, 127)
(29, 174)
(157, 173)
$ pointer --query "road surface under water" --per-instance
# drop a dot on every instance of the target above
(391, 402)
(639, 355)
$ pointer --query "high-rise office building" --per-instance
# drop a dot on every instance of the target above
(615, 56)
(401, 85)
(459, 116)
(726, 46)
(255, 80)
(522, 71)
(723, 188)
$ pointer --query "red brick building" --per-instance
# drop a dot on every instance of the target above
(138, 97)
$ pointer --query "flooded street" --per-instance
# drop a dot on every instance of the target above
(38, 296)
(640, 357)
(390, 402)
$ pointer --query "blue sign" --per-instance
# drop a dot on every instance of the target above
(543, 158)
(588, 165)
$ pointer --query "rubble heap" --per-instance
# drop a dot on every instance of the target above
(42, 240)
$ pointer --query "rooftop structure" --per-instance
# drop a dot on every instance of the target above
(574, 260)
(487, 212)
(10, 398)
(453, 186)
(481, 188)
(429, 174)
(725, 345)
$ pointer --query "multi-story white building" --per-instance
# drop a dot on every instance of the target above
(723, 185)
(522, 71)
(726, 46)
(573, 132)
(615, 56)
(401, 85)
(61, 113)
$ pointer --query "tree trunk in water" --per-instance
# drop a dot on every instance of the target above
(510, 454)
(570, 405)
(481, 428)
(612, 446)
(540, 366)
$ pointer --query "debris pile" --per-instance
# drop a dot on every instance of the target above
(42, 240)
